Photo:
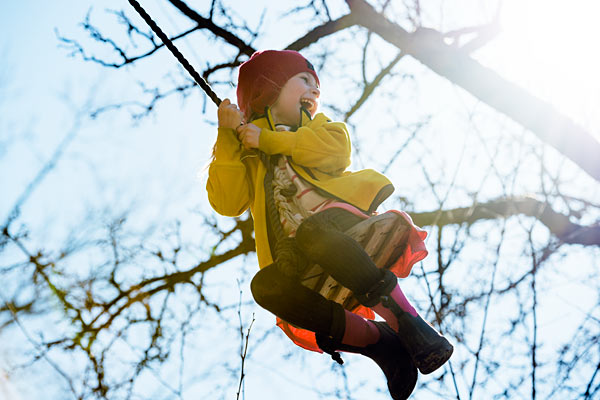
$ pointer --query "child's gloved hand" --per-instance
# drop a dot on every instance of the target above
(249, 135)
(229, 115)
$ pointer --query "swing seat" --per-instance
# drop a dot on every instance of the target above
(384, 237)
(391, 240)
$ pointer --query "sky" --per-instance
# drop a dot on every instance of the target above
(547, 46)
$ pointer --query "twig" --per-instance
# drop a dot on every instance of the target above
(243, 344)
(486, 309)
(42, 353)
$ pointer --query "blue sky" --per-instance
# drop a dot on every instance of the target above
(157, 162)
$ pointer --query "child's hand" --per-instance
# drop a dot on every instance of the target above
(249, 135)
(229, 115)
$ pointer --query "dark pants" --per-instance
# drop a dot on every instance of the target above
(321, 239)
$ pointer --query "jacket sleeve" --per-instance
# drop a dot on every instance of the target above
(319, 144)
(228, 187)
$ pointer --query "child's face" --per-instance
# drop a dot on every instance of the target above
(300, 90)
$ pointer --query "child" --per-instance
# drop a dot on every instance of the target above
(303, 172)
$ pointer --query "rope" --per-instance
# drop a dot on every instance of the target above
(272, 211)
(294, 213)
(167, 42)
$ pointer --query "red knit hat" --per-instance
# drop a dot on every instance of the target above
(261, 78)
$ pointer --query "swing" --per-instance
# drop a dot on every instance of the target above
(384, 238)
(391, 239)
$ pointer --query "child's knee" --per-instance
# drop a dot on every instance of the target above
(266, 287)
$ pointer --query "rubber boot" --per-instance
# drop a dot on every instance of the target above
(388, 353)
(428, 349)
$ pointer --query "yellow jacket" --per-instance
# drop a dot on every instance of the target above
(318, 151)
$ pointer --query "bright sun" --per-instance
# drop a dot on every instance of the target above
(551, 47)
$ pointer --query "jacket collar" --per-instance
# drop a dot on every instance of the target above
(266, 120)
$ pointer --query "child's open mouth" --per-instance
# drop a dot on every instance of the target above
(309, 104)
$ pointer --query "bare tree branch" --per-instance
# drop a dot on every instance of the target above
(427, 46)
(321, 31)
(371, 86)
(208, 24)
(560, 225)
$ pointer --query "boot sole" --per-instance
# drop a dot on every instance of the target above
(433, 357)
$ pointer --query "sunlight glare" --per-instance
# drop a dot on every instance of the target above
(551, 48)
